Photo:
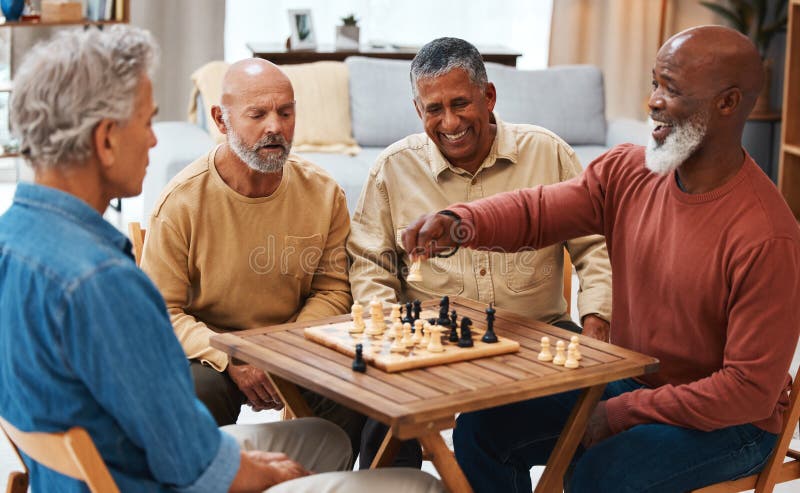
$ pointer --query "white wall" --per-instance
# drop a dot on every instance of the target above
(522, 25)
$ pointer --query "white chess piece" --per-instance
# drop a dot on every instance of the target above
(407, 341)
(577, 342)
(435, 344)
(572, 361)
(358, 319)
(395, 315)
(415, 271)
(545, 354)
(417, 337)
(560, 359)
(378, 324)
(425, 330)
(397, 346)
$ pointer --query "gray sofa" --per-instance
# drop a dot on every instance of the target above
(568, 100)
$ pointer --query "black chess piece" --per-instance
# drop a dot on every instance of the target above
(417, 309)
(466, 333)
(358, 363)
(409, 318)
(489, 337)
(453, 337)
(444, 307)
(445, 303)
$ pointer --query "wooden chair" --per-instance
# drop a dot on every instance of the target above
(777, 469)
(71, 453)
(568, 280)
(136, 234)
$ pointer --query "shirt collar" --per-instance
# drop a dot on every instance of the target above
(72, 209)
(503, 147)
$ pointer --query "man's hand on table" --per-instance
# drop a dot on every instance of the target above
(255, 385)
(597, 428)
(597, 328)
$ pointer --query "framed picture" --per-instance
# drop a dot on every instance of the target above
(302, 30)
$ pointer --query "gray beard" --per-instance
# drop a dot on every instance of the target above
(679, 145)
(273, 163)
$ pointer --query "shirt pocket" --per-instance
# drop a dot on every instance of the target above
(301, 256)
(527, 269)
(440, 276)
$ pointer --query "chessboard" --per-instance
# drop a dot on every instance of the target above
(377, 353)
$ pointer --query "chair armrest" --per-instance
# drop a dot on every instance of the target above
(624, 130)
(179, 144)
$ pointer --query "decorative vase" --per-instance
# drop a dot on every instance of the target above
(347, 37)
(12, 9)
(763, 104)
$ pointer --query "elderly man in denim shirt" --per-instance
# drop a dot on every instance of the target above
(85, 339)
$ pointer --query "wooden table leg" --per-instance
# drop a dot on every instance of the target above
(387, 452)
(291, 397)
(445, 462)
(553, 477)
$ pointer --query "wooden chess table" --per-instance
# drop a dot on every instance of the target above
(422, 402)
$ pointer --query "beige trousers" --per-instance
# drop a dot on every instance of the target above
(324, 448)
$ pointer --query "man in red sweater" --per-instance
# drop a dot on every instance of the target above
(706, 261)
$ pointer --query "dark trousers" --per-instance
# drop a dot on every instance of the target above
(224, 400)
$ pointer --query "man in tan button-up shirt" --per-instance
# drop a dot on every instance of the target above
(467, 153)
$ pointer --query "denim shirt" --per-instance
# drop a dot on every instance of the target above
(85, 340)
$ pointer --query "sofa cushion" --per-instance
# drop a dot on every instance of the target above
(381, 103)
(567, 100)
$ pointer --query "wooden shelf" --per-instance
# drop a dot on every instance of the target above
(792, 149)
(84, 22)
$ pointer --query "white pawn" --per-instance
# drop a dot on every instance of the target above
(358, 319)
(417, 337)
(435, 344)
(407, 341)
(572, 361)
(415, 271)
(395, 315)
(559, 359)
(577, 342)
(397, 346)
(545, 354)
(376, 312)
(426, 332)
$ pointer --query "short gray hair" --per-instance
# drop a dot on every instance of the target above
(67, 85)
(442, 55)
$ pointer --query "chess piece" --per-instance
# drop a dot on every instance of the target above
(453, 335)
(466, 334)
(572, 361)
(577, 342)
(560, 359)
(453, 319)
(378, 324)
(409, 318)
(395, 314)
(358, 319)
(489, 337)
(435, 344)
(416, 335)
(545, 354)
(426, 333)
(397, 346)
(358, 362)
(415, 271)
(444, 307)
(407, 341)
(417, 309)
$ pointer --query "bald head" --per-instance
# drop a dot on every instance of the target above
(253, 76)
(719, 55)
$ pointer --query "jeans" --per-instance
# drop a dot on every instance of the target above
(497, 447)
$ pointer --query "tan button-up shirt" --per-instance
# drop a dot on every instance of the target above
(412, 177)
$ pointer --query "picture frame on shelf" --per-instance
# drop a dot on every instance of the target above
(303, 36)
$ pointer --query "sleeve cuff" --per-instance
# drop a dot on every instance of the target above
(616, 414)
(219, 475)
(466, 217)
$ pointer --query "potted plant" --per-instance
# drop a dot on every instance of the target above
(348, 33)
(760, 20)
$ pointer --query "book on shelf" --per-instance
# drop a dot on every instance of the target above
(104, 10)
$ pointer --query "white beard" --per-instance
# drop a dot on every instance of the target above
(681, 143)
(250, 156)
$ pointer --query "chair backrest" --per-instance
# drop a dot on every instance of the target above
(136, 234)
(71, 453)
(778, 469)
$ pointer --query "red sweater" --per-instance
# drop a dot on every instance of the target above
(706, 283)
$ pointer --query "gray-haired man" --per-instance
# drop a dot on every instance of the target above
(84, 335)
(467, 153)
